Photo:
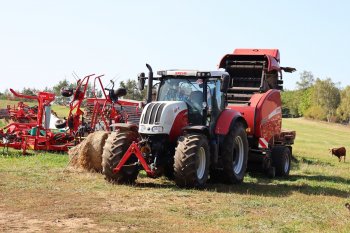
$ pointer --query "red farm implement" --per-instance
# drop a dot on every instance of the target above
(34, 135)
(21, 113)
(100, 113)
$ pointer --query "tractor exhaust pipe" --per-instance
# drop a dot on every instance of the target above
(150, 83)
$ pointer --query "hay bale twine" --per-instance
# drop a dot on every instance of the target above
(88, 154)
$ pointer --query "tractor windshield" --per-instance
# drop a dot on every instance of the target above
(189, 90)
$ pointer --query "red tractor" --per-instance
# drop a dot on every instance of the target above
(205, 124)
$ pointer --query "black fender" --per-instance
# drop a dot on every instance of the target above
(196, 129)
(238, 119)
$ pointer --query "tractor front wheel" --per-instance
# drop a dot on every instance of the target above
(116, 145)
(191, 166)
(235, 155)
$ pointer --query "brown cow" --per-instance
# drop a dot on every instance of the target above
(339, 152)
(347, 205)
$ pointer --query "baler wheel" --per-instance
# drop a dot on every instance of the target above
(235, 155)
(116, 145)
(191, 166)
(281, 160)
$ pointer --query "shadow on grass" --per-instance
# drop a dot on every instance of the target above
(278, 190)
(321, 178)
(267, 187)
(312, 161)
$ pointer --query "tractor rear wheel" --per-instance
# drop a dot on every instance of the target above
(116, 145)
(281, 160)
(235, 155)
(191, 165)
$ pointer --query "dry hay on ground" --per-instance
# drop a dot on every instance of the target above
(88, 154)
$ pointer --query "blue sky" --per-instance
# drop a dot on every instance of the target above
(42, 42)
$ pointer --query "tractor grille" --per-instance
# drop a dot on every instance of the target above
(153, 113)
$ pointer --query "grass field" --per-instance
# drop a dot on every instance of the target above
(38, 194)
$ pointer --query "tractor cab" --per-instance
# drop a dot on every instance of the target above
(184, 98)
(199, 90)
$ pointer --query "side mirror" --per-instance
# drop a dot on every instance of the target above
(120, 92)
(225, 83)
(141, 81)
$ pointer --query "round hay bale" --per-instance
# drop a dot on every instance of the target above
(88, 154)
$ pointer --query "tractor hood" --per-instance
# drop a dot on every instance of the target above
(164, 117)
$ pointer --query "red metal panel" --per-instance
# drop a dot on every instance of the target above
(270, 52)
(263, 115)
(268, 116)
(248, 112)
(222, 63)
(224, 121)
(271, 55)
(272, 63)
(180, 122)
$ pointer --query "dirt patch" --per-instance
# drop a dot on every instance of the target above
(20, 222)
(88, 154)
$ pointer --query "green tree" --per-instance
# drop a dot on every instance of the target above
(306, 80)
(57, 90)
(305, 100)
(316, 112)
(343, 110)
(132, 90)
(290, 102)
(7, 94)
(327, 96)
(29, 91)
(48, 89)
(61, 84)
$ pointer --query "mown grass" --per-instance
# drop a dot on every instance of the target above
(311, 200)
(62, 111)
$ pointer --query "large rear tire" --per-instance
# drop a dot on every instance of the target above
(116, 145)
(191, 166)
(281, 160)
(235, 155)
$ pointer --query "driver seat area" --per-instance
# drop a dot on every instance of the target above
(195, 112)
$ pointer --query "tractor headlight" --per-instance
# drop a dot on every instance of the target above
(142, 128)
(157, 129)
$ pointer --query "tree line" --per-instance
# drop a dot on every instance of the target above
(130, 85)
(317, 99)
